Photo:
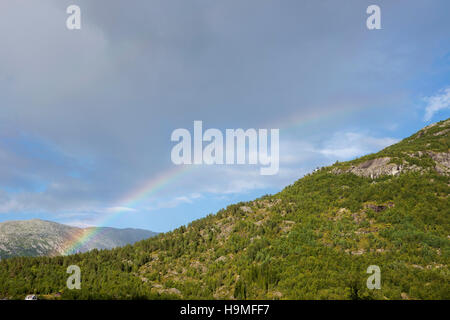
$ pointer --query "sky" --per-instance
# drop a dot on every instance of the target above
(86, 115)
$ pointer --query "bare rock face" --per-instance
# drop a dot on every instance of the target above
(441, 133)
(381, 166)
(442, 160)
(379, 208)
(377, 167)
(445, 123)
(246, 209)
(174, 291)
(374, 168)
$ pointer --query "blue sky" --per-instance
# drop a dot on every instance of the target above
(86, 116)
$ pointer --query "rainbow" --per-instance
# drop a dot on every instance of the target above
(317, 117)
(154, 185)
(79, 239)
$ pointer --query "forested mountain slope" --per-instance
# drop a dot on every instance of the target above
(313, 240)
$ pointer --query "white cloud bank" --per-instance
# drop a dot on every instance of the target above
(349, 145)
(436, 103)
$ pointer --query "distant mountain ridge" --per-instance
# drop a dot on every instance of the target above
(45, 238)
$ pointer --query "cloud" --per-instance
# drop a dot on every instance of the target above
(120, 209)
(349, 145)
(79, 224)
(440, 101)
(159, 203)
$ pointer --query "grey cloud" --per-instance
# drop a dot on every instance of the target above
(112, 93)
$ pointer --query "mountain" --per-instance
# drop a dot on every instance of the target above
(315, 239)
(44, 238)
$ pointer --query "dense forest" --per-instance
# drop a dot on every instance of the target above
(313, 240)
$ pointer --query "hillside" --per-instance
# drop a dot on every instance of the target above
(44, 238)
(313, 240)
